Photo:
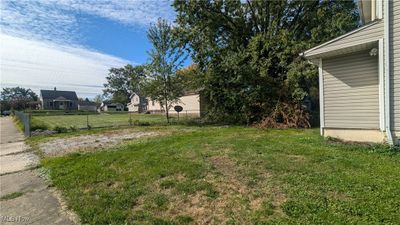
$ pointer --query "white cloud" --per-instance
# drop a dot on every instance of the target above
(35, 20)
(41, 40)
(43, 65)
(131, 12)
(57, 20)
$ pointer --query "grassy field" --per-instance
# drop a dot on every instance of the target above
(232, 175)
(96, 120)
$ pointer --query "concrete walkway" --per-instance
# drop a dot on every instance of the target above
(25, 198)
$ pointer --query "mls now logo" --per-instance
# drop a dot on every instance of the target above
(14, 219)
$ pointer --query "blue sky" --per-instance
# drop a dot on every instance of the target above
(71, 44)
(111, 37)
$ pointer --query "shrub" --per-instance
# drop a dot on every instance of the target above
(286, 116)
(193, 122)
(38, 126)
(60, 129)
(144, 124)
(139, 123)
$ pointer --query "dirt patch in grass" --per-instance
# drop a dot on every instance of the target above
(297, 158)
(62, 146)
(228, 198)
(335, 195)
(224, 165)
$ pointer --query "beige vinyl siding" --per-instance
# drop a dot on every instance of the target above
(351, 91)
(189, 103)
(369, 33)
(395, 63)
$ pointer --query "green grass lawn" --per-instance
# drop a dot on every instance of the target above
(232, 175)
(96, 120)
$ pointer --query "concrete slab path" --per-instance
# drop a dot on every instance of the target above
(25, 197)
(9, 132)
(13, 147)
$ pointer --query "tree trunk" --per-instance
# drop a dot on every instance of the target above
(166, 110)
(166, 89)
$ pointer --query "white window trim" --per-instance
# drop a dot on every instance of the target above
(379, 7)
(321, 98)
(373, 10)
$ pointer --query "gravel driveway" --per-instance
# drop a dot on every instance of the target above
(62, 146)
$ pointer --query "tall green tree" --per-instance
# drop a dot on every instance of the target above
(249, 50)
(17, 98)
(166, 57)
(191, 78)
(123, 81)
(98, 99)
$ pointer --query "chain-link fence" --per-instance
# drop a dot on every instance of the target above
(25, 120)
(68, 121)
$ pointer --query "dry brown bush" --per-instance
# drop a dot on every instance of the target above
(286, 115)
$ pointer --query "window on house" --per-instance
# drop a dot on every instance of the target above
(152, 103)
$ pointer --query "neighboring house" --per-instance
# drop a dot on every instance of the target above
(87, 106)
(35, 105)
(112, 107)
(189, 102)
(137, 104)
(359, 74)
(58, 100)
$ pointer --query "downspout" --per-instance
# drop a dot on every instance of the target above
(387, 73)
(321, 98)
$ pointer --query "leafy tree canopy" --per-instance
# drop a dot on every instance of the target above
(122, 82)
(249, 51)
(17, 98)
(18, 93)
(191, 78)
(166, 58)
(98, 99)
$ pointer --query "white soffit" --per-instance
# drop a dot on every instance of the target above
(332, 51)
(329, 45)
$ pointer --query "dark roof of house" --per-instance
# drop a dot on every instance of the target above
(86, 103)
(52, 94)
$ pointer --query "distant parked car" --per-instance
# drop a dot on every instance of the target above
(6, 113)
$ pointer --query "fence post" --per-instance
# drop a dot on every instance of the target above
(28, 127)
